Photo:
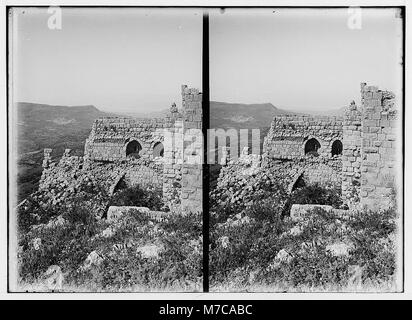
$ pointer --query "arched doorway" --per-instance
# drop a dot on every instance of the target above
(312, 146)
(337, 147)
(133, 148)
(158, 150)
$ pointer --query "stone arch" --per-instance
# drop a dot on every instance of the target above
(337, 147)
(158, 150)
(297, 181)
(312, 146)
(133, 149)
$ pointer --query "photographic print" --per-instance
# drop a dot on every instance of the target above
(105, 180)
(306, 176)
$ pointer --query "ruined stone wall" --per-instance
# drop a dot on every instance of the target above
(192, 173)
(146, 176)
(173, 160)
(110, 135)
(288, 135)
(326, 172)
(73, 170)
(380, 130)
(176, 173)
(323, 172)
(367, 168)
(284, 147)
(352, 154)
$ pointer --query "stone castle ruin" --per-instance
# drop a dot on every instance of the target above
(146, 152)
(356, 152)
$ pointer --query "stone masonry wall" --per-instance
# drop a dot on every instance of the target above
(289, 133)
(314, 170)
(352, 157)
(177, 174)
(110, 135)
(71, 170)
(192, 173)
(284, 147)
(380, 126)
(173, 159)
(367, 168)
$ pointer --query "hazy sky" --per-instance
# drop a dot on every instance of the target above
(132, 60)
(302, 58)
(135, 60)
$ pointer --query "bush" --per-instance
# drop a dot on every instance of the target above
(244, 248)
(314, 194)
(69, 242)
(136, 196)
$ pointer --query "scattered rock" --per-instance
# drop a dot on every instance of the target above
(298, 211)
(115, 212)
(339, 249)
(224, 242)
(36, 243)
(53, 278)
(149, 251)
(355, 276)
(282, 257)
(108, 232)
(93, 259)
(296, 231)
(59, 221)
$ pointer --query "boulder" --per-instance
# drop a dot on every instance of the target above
(299, 211)
(149, 251)
(53, 278)
(339, 249)
(115, 212)
(93, 259)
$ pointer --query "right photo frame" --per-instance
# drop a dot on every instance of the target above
(306, 149)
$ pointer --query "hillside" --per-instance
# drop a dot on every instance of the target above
(42, 126)
(336, 112)
(153, 114)
(242, 116)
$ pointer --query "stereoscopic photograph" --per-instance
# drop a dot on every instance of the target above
(105, 109)
(292, 140)
(306, 109)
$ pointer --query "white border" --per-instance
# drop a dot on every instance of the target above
(207, 296)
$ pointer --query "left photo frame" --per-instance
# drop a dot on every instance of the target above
(104, 149)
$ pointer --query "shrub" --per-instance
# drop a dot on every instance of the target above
(314, 194)
(68, 244)
(136, 196)
(251, 249)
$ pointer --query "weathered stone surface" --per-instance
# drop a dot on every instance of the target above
(298, 211)
(145, 152)
(339, 249)
(149, 251)
(53, 278)
(368, 141)
(115, 212)
(92, 260)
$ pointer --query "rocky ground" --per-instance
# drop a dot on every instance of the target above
(65, 243)
(257, 246)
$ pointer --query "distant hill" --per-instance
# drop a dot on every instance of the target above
(243, 116)
(42, 126)
(153, 114)
(338, 112)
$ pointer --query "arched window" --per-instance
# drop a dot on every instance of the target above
(337, 147)
(312, 146)
(158, 150)
(133, 148)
